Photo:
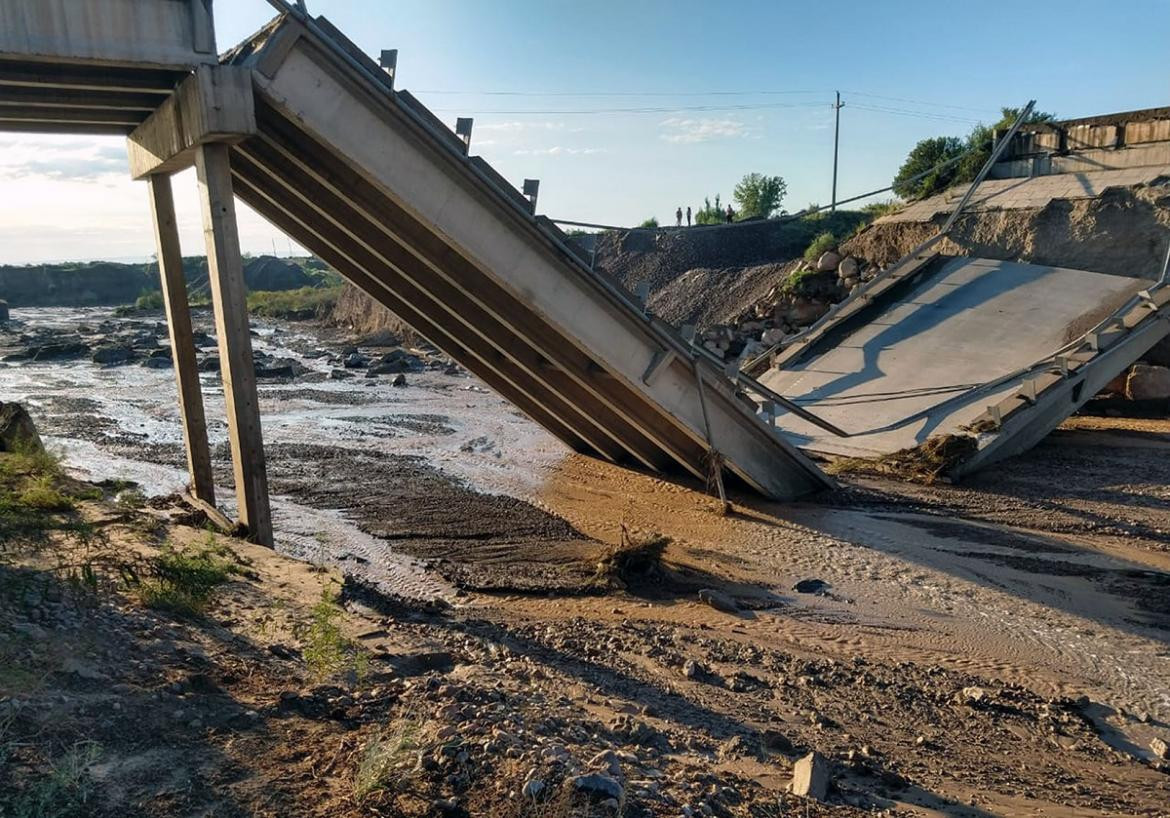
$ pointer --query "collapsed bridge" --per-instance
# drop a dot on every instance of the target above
(303, 127)
(306, 129)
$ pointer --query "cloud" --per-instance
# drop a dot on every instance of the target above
(687, 131)
(55, 158)
(558, 150)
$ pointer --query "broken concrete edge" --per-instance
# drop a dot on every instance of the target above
(215, 104)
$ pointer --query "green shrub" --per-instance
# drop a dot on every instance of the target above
(328, 651)
(388, 760)
(183, 582)
(41, 494)
(307, 302)
(822, 244)
(650, 224)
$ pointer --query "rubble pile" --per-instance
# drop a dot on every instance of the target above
(805, 293)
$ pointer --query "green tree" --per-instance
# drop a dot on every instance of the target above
(925, 155)
(650, 223)
(759, 196)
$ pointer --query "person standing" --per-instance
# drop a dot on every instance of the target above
(730, 215)
(688, 215)
(678, 218)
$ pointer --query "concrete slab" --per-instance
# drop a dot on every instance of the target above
(967, 334)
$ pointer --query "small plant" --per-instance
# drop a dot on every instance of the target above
(41, 494)
(388, 760)
(64, 792)
(650, 224)
(328, 651)
(184, 581)
(130, 499)
(822, 244)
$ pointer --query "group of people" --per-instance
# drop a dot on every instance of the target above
(678, 216)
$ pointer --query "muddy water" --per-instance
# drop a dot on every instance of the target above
(455, 444)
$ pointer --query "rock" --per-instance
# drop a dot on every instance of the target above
(805, 311)
(1146, 382)
(850, 282)
(112, 355)
(692, 669)
(339, 374)
(533, 788)
(17, 430)
(777, 742)
(4, 315)
(849, 268)
(355, 360)
(828, 262)
(597, 785)
(61, 352)
(1161, 749)
(771, 337)
(399, 380)
(392, 363)
(811, 586)
(970, 696)
(810, 777)
(157, 363)
(209, 364)
(161, 352)
(718, 600)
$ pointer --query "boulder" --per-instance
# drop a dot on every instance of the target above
(209, 364)
(805, 311)
(828, 262)
(355, 360)
(772, 337)
(157, 363)
(1147, 382)
(810, 776)
(849, 268)
(17, 430)
(112, 355)
(63, 351)
(719, 600)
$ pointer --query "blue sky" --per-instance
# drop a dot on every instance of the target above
(732, 88)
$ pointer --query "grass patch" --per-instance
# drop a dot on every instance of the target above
(307, 302)
(36, 497)
(823, 243)
(64, 792)
(388, 760)
(328, 651)
(184, 582)
(42, 494)
(925, 463)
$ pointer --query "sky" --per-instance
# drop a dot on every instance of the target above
(627, 110)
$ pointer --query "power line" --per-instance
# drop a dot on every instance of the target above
(640, 110)
(918, 114)
(622, 93)
(923, 102)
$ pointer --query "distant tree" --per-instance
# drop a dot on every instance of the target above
(759, 196)
(710, 213)
(935, 151)
(650, 223)
(925, 155)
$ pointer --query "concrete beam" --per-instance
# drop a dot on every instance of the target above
(225, 269)
(212, 105)
(174, 289)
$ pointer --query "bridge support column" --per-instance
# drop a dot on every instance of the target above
(174, 291)
(226, 279)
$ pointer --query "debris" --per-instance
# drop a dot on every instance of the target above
(599, 786)
(970, 696)
(1146, 382)
(810, 776)
(811, 586)
(719, 600)
(1161, 749)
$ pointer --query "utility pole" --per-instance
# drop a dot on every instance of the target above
(837, 106)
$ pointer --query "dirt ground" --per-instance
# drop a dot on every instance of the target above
(997, 648)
